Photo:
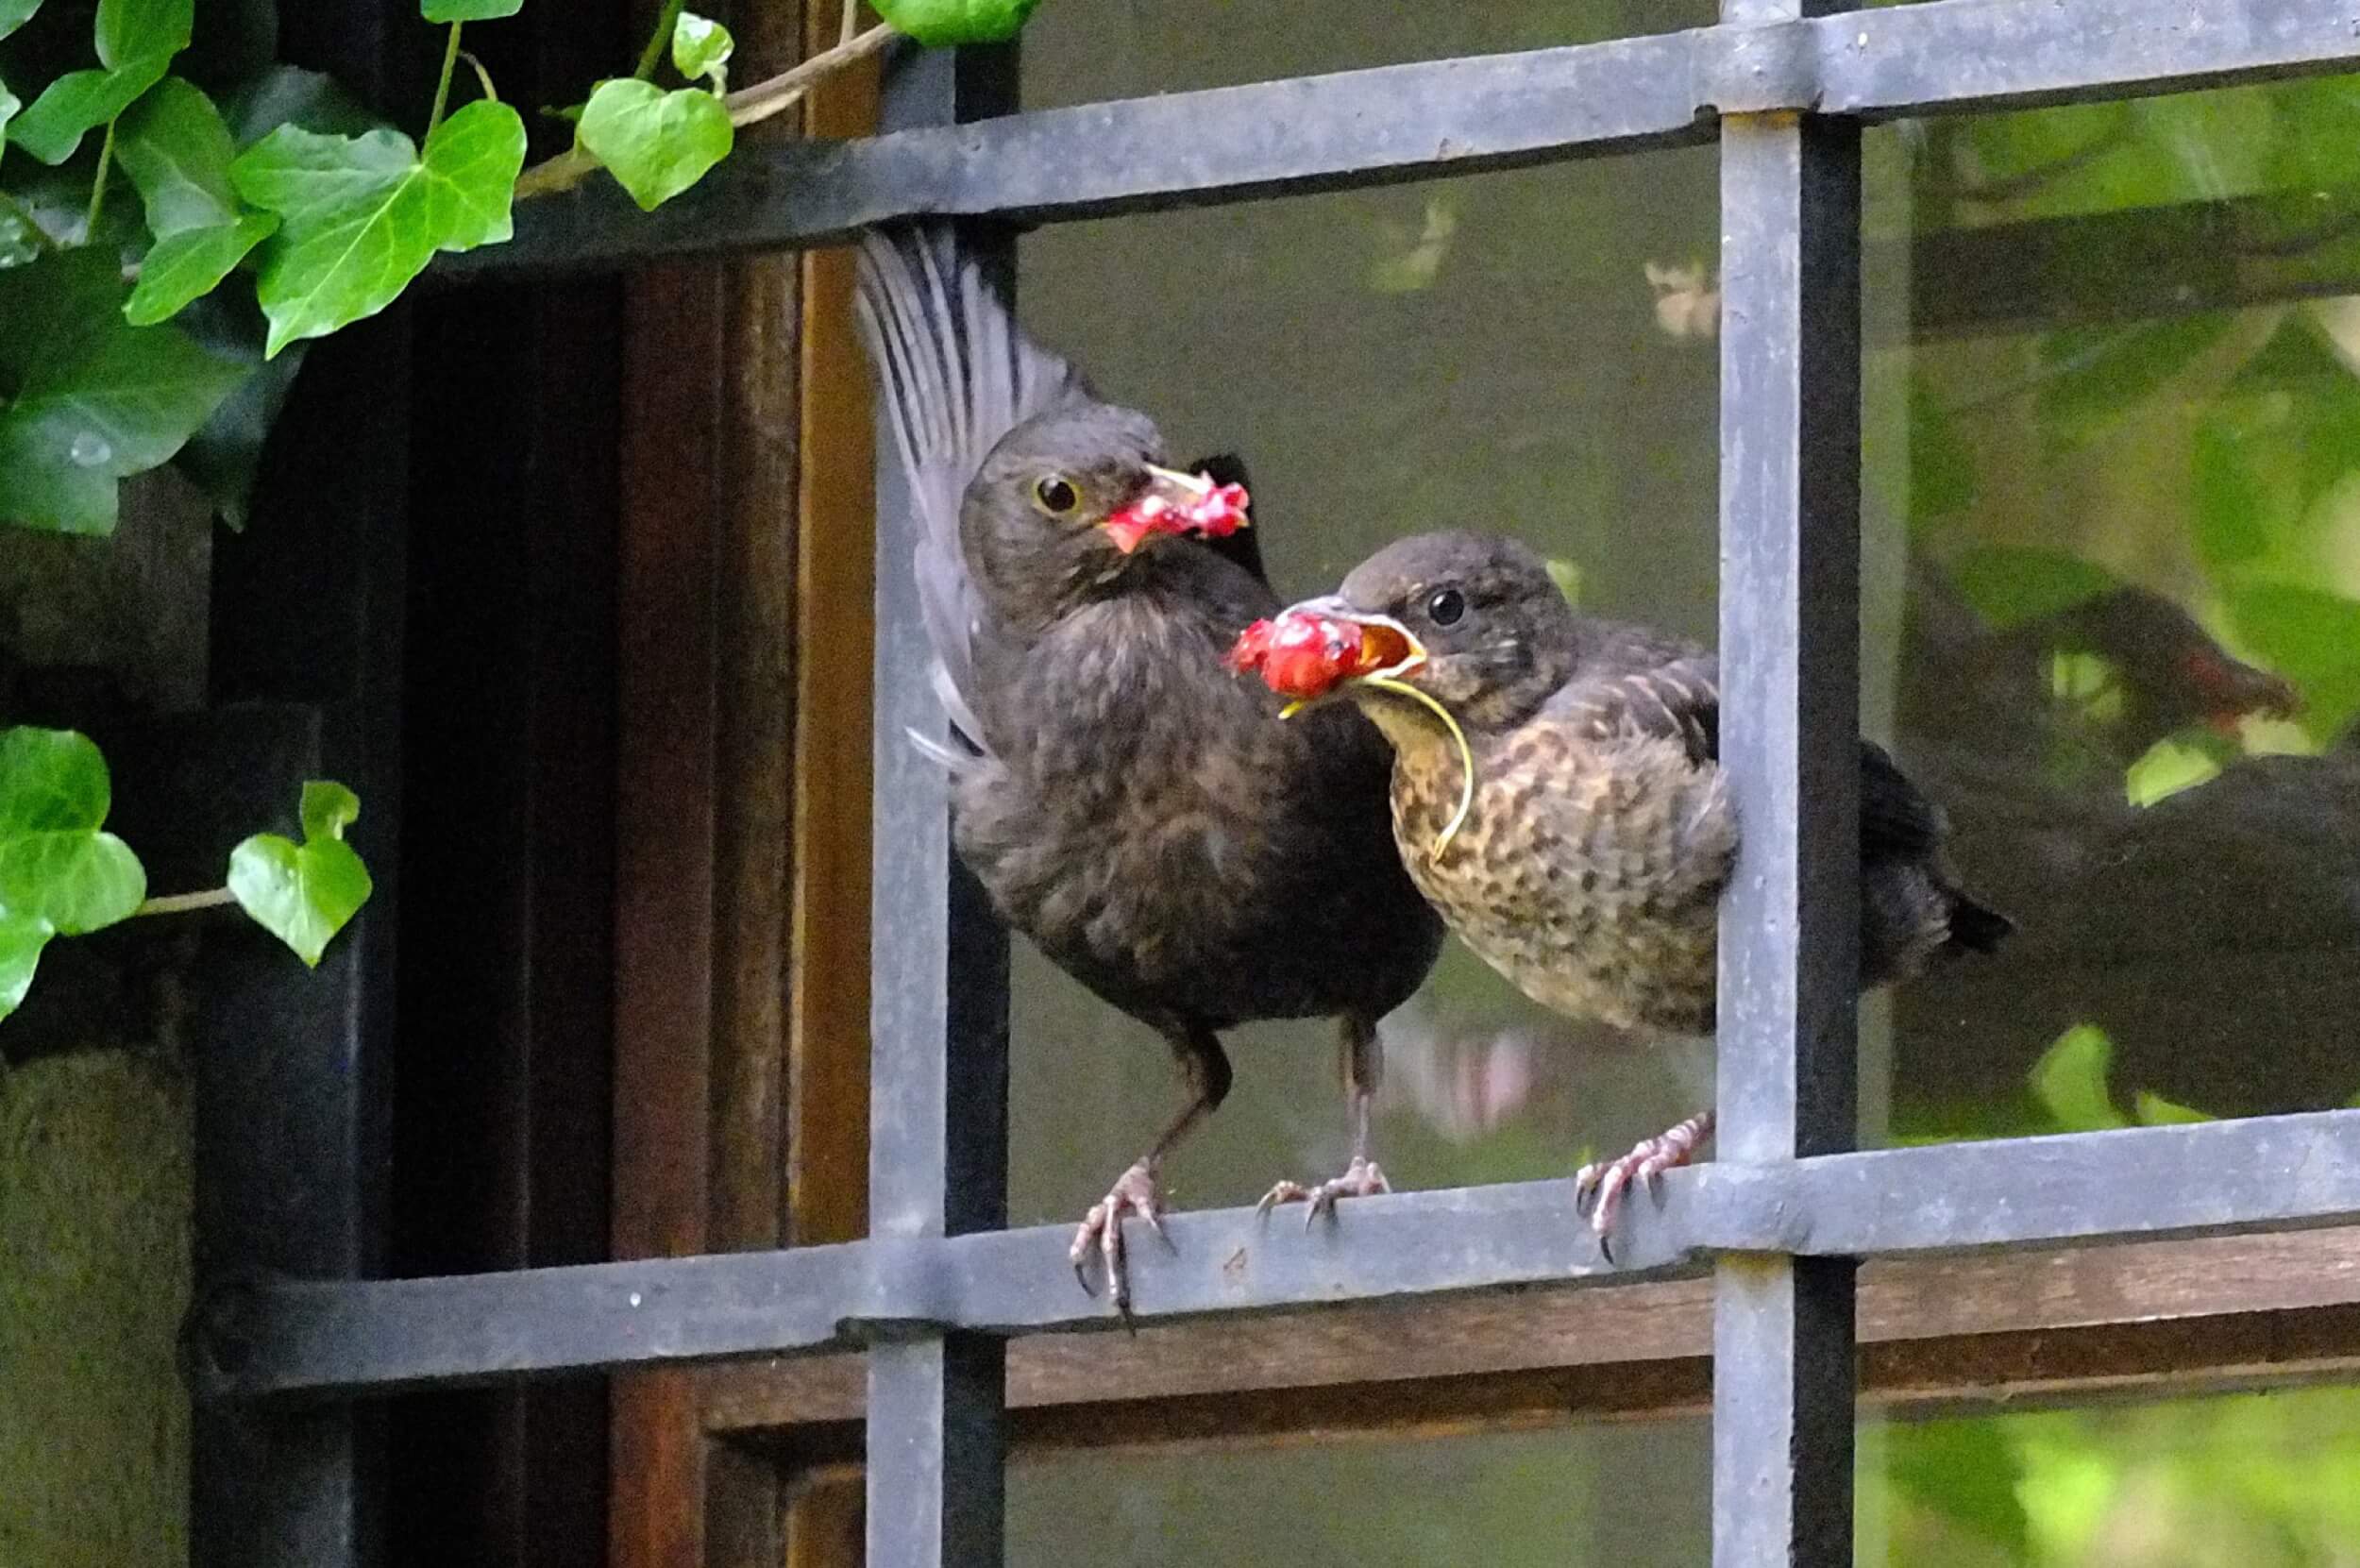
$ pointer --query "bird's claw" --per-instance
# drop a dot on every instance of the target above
(1599, 1187)
(1361, 1179)
(1101, 1230)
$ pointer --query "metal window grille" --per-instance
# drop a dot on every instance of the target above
(1785, 1212)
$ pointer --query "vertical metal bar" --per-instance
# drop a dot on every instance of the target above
(939, 1107)
(1790, 608)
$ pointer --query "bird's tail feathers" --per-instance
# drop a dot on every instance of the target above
(956, 374)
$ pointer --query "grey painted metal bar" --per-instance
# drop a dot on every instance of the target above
(939, 1079)
(1438, 117)
(287, 1152)
(1782, 1326)
(327, 1338)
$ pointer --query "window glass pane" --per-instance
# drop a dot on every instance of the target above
(1485, 353)
(1085, 51)
(2254, 1481)
(1633, 1496)
(2114, 466)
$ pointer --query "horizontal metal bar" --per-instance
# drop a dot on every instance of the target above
(1418, 121)
(326, 1338)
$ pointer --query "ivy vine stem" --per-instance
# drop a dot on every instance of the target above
(750, 104)
(98, 185)
(181, 903)
(659, 40)
(442, 84)
(746, 105)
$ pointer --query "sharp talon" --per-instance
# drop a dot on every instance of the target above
(1600, 1187)
(1133, 1192)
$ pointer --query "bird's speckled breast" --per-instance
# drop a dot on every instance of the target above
(1588, 872)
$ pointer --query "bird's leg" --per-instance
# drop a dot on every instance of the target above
(1205, 1065)
(1598, 1187)
(1364, 1067)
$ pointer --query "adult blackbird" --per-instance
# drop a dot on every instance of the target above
(1129, 805)
(1586, 857)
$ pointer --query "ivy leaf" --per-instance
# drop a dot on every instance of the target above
(136, 41)
(96, 399)
(939, 22)
(132, 32)
(15, 14)
(22, 937)
(10, 104)
(185, 265)
(225, 453)
(363, 214)
(58, 864)
(176, 147)
(304, 894)
(69, 106)
(656, 144)
(468, 11)
(701, 47)
(289, 95)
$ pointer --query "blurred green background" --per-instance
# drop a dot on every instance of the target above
(2112, 447)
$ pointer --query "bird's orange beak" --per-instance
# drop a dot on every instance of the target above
(1174, 502)
(1309, 651)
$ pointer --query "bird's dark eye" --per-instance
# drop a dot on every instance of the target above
(1055, 496)
(1444, 606)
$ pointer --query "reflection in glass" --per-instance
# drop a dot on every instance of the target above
(1624, 1497)
(2121, 428)
(1087, 51)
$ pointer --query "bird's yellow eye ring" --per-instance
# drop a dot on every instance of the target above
(1055, 494)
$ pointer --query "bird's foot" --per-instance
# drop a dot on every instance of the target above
(1598, 1188)
(1133, 1192)
(1361, 1179)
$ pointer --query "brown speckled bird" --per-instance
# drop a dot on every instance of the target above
(1130, 806)
(1589, 864)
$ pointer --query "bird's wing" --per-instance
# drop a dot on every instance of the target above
(955, 373)
(1673, 694)
(1678, 697)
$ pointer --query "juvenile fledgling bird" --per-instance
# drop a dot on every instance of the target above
(1127, 804)
(1585, 858)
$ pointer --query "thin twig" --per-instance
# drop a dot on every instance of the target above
(746, 105)
(181, 903)
(851, 23)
